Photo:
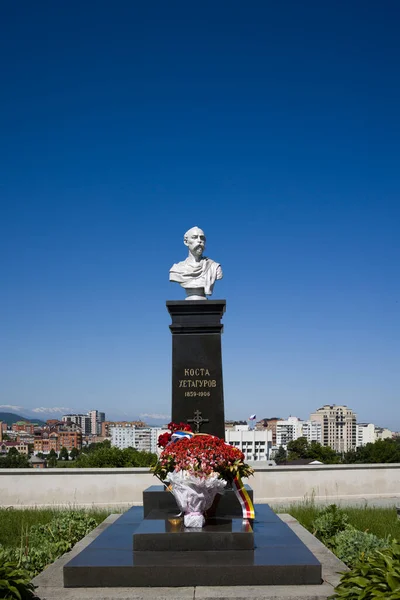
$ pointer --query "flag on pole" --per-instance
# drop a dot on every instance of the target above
(252, 417)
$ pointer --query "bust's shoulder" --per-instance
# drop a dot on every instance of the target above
(183, 264)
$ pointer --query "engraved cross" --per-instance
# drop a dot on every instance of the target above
(197, 420)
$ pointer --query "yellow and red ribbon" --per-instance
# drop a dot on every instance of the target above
(243, 497)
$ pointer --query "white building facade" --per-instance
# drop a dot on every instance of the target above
(365, 434)
(255, 445)
(382, 433)
(141, 438)
(312, 431)
(287, 431)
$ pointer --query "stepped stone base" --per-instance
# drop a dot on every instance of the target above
(216, 535)
(279, 557)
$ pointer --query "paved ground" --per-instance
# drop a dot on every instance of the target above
(50, 582)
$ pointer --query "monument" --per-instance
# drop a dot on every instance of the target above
(197, 386)
(149, 545)
(197, 274)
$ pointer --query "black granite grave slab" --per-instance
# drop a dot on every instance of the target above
(217, 534)
(197, 387)
(157, 501)
(279, 558)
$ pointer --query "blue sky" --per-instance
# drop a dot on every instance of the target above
(273, 126)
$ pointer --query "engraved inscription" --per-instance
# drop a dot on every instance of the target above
(198, 378)
(200, 383)
(196, 372)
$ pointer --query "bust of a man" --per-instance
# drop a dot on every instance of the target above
(197, 274)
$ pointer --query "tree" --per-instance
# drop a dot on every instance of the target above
(280, 456)
(14, 460)
(95, 446)
(74, 453)
(63, 455)
(382, 451)
(52, 459)
(298, 448)
(324, 454)
(301, 448)
(105, 456)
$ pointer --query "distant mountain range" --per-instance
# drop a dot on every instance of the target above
(11, 418)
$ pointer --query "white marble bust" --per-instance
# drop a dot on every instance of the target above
(197, 274)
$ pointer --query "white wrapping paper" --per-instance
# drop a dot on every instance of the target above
(194, 495)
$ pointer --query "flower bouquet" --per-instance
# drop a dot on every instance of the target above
(197, 467)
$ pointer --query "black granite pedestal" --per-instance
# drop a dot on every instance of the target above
(197, 387)
(143, 552)
(157, 502)
(217, 534)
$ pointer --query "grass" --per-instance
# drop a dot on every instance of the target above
(380, 521)
(15, 522)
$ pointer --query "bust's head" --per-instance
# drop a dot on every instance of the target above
(195, 240)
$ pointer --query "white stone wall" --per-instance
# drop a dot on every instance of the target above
(123, 487)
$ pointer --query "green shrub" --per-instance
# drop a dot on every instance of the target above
(14, 581)
(375, 576)
(331, 520)
(350, 544)
(42, 544)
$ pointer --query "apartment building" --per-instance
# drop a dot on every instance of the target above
(365, 434)
(255, 444)
(130, 436)
(25, 426)
(288, 430)
(84, 422)
(106, 426)
(65, 437)
(339, 427)
(382, 433)
(22, 447)
(312, 431)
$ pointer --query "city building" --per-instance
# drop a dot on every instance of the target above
(287, 431)
(254, 444)
(90, 423)
(365, 434)
(23, 426)
(339, 427)
(84, 422)
(37, 463)
(96, 419)
(69, 438)
(130, 436)
(22, 447)
(106, 426)
(66, 436)
(53, 422)
(46, 442)
(382, 433)
(270, 425)
(312, 431)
